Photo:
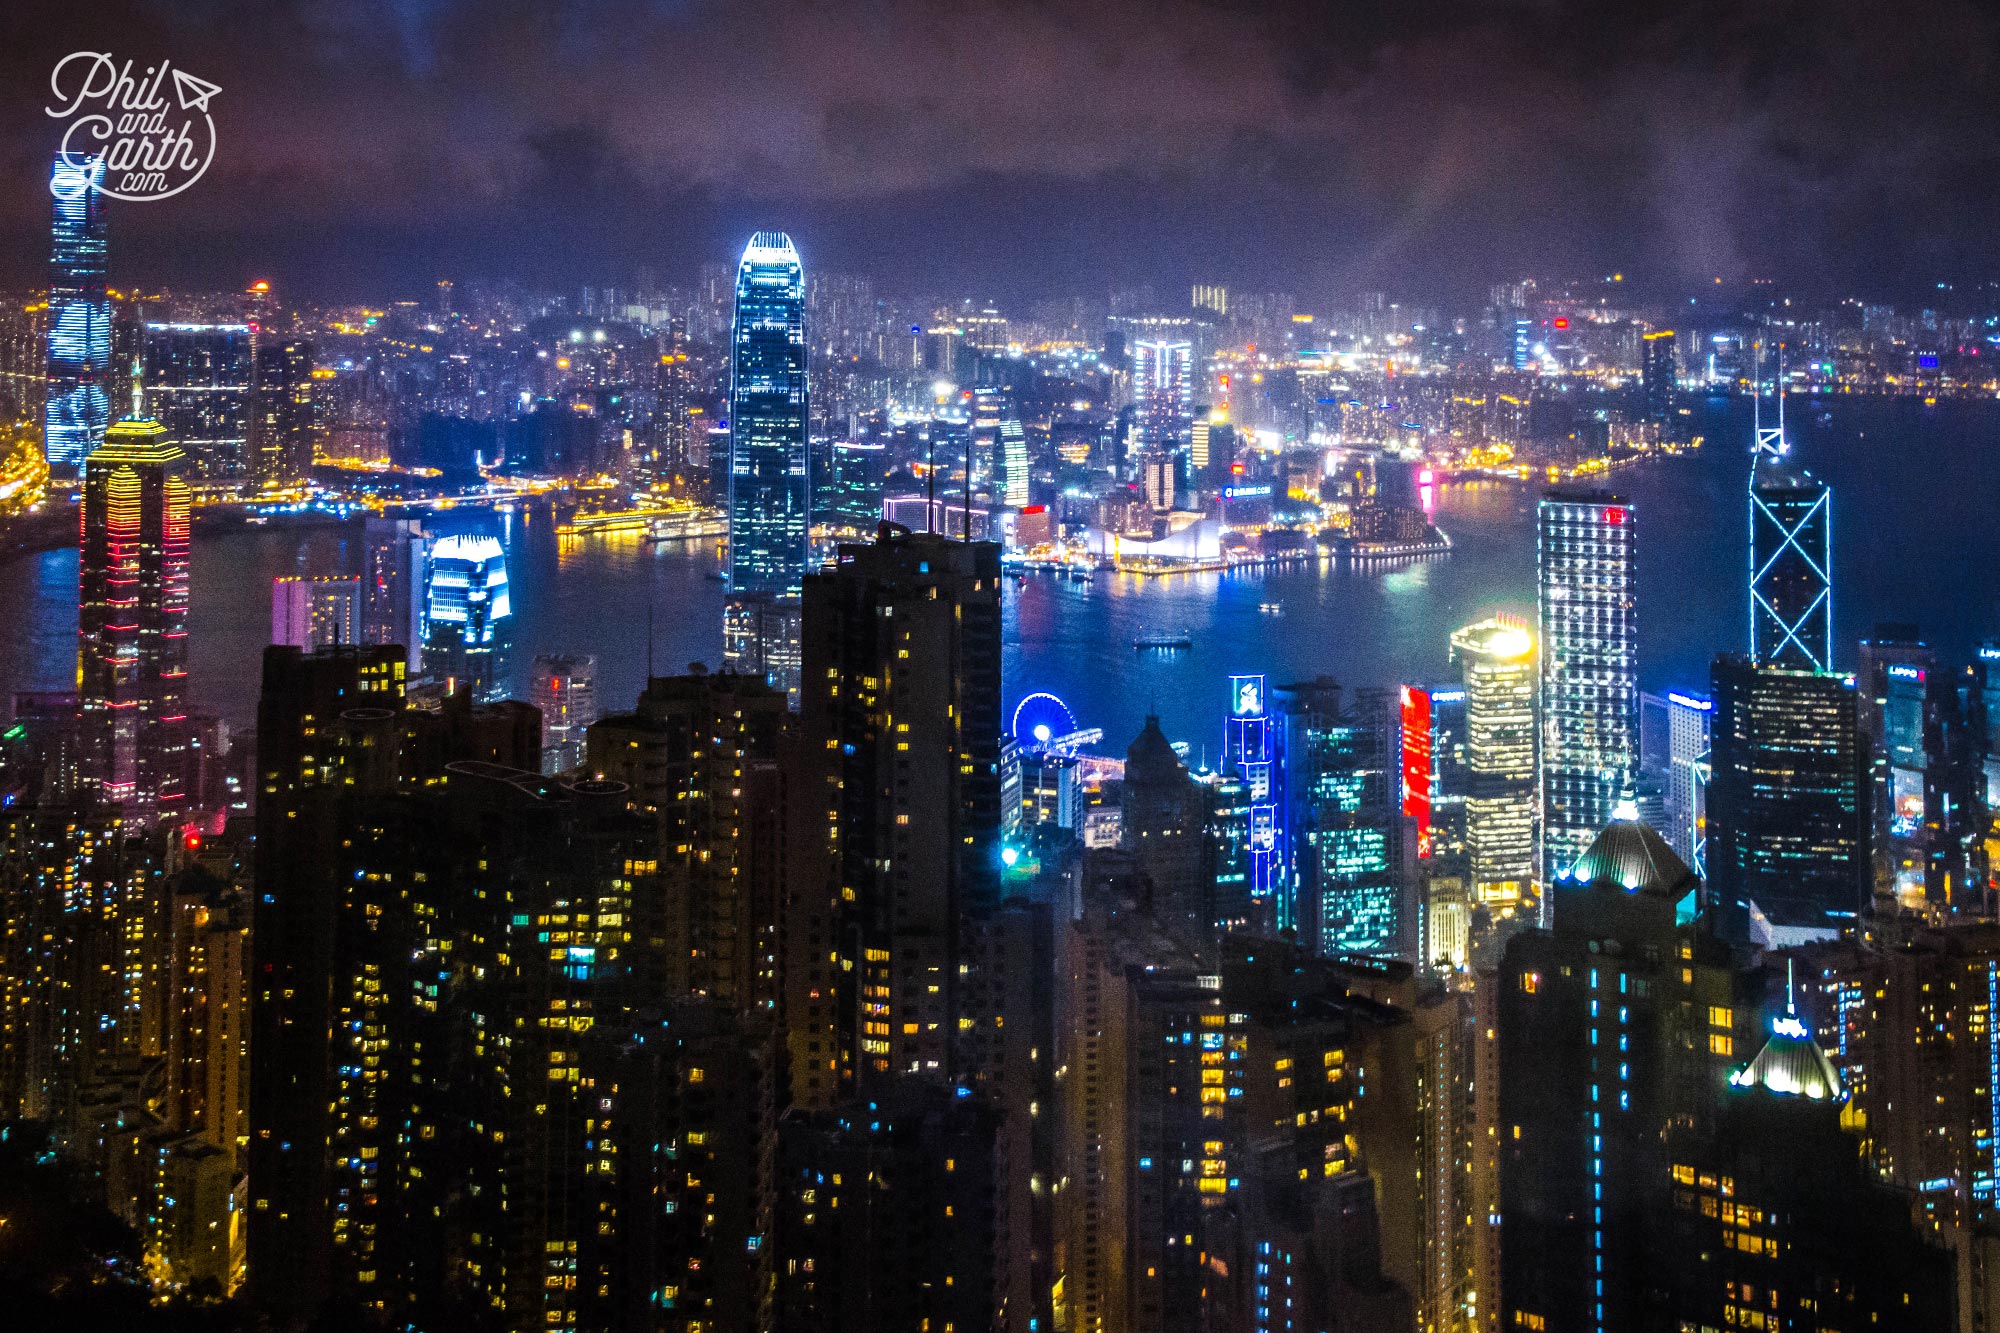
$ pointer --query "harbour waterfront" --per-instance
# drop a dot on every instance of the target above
(1905, 546)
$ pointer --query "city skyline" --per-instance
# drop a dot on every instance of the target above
(1105, 753)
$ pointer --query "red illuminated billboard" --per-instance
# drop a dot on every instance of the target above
(1417, 763)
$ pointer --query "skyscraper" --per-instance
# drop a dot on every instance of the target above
(671, 461)
(760, 637)
(392, 578)
(1247, 754)
(1586, 570)
(1690, 719)
(1787, 802)
(1349, 846)
(1162, 392)
(79, 404)
(468, 615)
(197, 385)
(563, 687)
(701, 756)
(1791, 558)
(1164, 823)
(1498, 659)
(1000, 444)
(282, 424)
(1616, 1024)
(132, 604)
(314, 612)
(768, 495)
(1658, 366)
(898, 832)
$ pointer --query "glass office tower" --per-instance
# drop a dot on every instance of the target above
(1585, 562)
(1788, 799)
(768, 496)
(79, 403)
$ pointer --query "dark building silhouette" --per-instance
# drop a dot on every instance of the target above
(896, 824)
(1163, 822)
(479, 1101)
(1618, 1022)
(700, 755)
(1779, 1223)
(888, 1213)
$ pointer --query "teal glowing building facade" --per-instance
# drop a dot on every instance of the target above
(1348, 846)
(79, 366)
(769, 496)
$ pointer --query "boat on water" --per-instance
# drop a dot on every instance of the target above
(1164, 639)
(1271, 608)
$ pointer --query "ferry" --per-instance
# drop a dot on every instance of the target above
(1271, 608)
(1164, 639)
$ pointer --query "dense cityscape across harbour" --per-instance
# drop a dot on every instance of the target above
(1282, 748)
(1073, 637)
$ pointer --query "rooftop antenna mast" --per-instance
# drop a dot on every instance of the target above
(1770, 439)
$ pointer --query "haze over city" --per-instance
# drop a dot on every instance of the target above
(999, 668)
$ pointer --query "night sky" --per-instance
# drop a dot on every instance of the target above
(1020, 149)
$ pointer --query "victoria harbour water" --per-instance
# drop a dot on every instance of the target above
(1916, 494)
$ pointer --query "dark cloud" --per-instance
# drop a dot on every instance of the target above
(1020, 146)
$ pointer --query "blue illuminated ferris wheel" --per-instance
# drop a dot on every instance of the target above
(1044, 724)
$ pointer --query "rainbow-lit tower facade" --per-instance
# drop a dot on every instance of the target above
(132, 606)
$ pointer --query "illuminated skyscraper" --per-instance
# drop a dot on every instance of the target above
(1787, 804)
(1586, 565)
(1000, 445)
(564, 688)
(392, 581)
(860, 474)
(1686, 777)
(760, 637)
(1356, 862)
(132, 604)
(1162, 392)
(1658, 367)
(1614, 1024)
(282, 425)
(1498, 658)
(197, 385)
(468, 616)
(768, 495)
(1791, 558)
(79, 321)
(316, 612)
(671, 460)
(1247, 754)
